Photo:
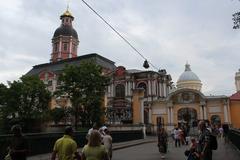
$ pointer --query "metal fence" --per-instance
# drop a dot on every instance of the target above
(234, 137)
(40, 143)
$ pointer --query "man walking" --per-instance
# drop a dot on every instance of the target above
(66, 148)
(204, 142)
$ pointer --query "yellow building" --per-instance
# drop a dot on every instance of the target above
(186, 105)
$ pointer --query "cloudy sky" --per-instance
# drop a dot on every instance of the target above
(168, 33)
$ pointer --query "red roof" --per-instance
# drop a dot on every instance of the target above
(235, 97)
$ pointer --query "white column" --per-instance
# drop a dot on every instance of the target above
(229, 115)
(149, 87)
(205, 112)
(171, 112)
(169, 115)
(164, 90)
(125, 88)
(142, 111)
(160, 89)
(225, 113)
(150, 115)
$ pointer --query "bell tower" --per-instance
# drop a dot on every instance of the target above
(65, 39)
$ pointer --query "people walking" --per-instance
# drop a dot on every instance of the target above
(107, 142)
(177, 136)
(65, 148)
(204, 147)
(94, 150)
(162, 142)
(18, 146)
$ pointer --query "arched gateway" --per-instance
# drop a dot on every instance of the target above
(187, 116)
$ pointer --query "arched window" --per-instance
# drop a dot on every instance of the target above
(144, 86)
(120, 91)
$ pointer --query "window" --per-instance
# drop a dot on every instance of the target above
(144, 86)
(65, 46)
(120, 91)
(55, 47)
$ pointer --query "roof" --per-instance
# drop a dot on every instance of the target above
(235, 97)
(65, 30)
(58, 66)
(188, 75)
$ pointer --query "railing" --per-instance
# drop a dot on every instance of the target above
(234, 137)
(40, 143)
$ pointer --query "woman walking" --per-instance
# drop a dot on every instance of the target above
(94, 150)
(162, 142)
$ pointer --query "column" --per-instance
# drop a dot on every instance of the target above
(225, 113)
(142, 111)
(201, 112)
(149, 87)
(164, 90)
(205, 112)
(126, 88)
(150, 115)
(229, 115)
(169, 114)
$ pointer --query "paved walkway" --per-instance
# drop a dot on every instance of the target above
(116, 146)
(224, 151)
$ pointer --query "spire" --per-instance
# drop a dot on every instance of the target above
(187, 67)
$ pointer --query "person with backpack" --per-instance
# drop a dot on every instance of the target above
(204, 146)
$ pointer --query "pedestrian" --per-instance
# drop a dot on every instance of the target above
(162, 142)
(177, 136)
(94, 150)
(107, 142)
(192, 153)
(94, 127)
(204, 147)
(65, 148)
(225, 132)
(18, 148)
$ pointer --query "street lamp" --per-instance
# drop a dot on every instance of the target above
(236, 19)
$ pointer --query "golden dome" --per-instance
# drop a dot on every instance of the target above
(67, 13)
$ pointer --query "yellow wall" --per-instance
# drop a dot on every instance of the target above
(235, 113)
(137, 95)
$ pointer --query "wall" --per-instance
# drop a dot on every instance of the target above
(235, 113)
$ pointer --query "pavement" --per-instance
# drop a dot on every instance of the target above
(116, 146)
(224, 151)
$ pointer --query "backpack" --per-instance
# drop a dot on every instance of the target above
(213, 142)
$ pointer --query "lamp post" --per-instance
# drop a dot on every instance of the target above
(236, 20)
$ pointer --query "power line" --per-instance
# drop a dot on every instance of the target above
(125, 40)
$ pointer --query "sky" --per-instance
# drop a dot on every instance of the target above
(167, 33)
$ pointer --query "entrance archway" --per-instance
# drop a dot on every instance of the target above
(187, 116)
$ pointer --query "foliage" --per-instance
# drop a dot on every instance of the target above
(25, 101)
(57, 114)
(85, 86)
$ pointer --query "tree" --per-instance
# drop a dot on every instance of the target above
(85, 86)
(25, 101)
(57, 114)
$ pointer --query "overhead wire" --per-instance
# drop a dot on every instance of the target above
(119, 34)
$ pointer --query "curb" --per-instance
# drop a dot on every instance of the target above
(131, 145)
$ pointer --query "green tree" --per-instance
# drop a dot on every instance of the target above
(85, 86)
(26, 102)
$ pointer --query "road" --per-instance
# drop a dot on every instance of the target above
(149, 151)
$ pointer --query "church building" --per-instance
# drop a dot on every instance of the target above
(135, 96)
